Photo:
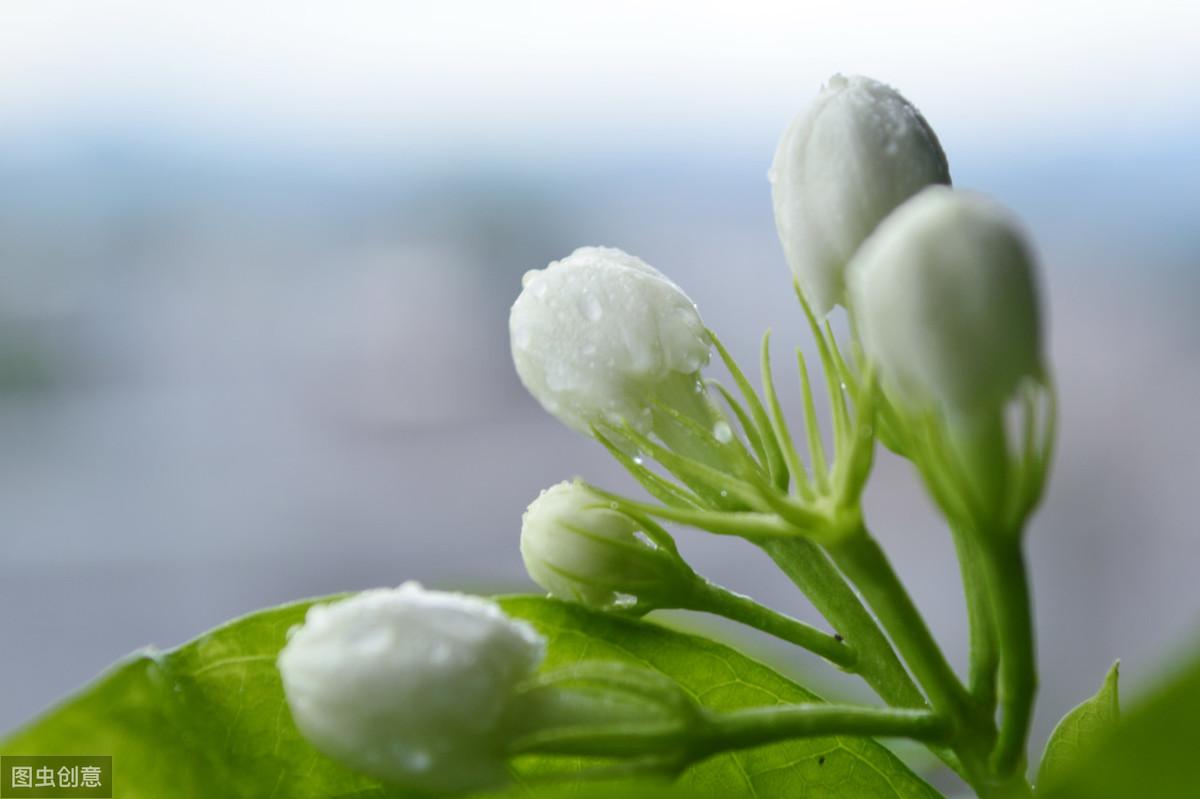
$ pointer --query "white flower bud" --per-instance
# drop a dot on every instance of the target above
(945, 302)
(578, 548)
(597, 336)
(408, 685)
(859, 151)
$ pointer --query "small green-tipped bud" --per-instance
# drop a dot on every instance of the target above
(845, 163)
(945, 303)
(599, 336)
(410, 686)
(579, 548)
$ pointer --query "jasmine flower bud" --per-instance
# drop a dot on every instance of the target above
(408, 685)
(599, 335)
(945, 303)
(578, 548)
(859, 151)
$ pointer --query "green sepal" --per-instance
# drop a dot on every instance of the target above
(657, 486)
(744, 420)
(775, 461)
(744, 524)
(799, 474)
(718, 489)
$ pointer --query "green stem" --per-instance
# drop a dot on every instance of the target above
(984, 645)
(710, 598)
(809, 568)
(1008, 584)
(1014, 787)
(713, 732)
(740, 729)
(867, 567)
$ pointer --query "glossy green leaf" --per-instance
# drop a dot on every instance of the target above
(209, 719)
(1150, 754)
(1083, 725)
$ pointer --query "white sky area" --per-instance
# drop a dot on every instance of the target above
(546, 78)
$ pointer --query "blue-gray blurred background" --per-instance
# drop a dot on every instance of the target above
(256, 262)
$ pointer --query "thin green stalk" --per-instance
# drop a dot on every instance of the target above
(984, 644)
(809, 568)
(860, 557)
(739, 729)
(715, 732)
(714, 599)
(1008, 585)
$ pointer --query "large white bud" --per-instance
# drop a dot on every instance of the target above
(597, 336)
(579, 549)
(945, 302)
(859, 151)
(408, 685)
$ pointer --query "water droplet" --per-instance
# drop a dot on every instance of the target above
(722, 432)
(418, 760)
(440, 654)
(645, 539)
(638, 459)
(624, 600)
(590, 307)
(724, 493)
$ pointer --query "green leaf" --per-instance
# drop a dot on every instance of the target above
(1150, 754)
(1083, 725)
(209, 719)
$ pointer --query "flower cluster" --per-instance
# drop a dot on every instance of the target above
(438, 691)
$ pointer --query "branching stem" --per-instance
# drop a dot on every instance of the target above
(714, 599)
(860, 557)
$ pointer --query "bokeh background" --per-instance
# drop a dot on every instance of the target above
(256, 262)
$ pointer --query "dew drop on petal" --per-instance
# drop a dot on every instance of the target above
(645, 539)
(589, 307)
(624, 600)
(418, 760)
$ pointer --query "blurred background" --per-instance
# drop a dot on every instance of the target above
(256, 262)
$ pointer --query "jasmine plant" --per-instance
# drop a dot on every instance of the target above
(410, 692)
